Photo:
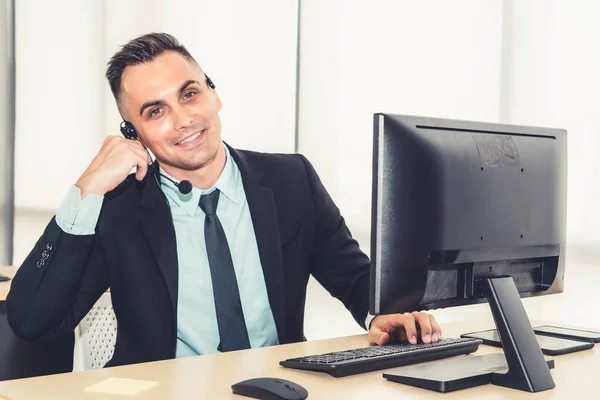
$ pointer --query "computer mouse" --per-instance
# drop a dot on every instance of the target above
(270, 389)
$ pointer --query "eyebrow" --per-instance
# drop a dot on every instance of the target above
(156, 102)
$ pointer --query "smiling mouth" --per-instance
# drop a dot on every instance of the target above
(190, 139)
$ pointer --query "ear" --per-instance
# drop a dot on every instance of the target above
(219, 104)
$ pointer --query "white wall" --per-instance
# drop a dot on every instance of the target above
(532, 62)
(435, 58)
(553, 80)
(59, 109)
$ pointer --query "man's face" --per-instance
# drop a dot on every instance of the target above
(173, 110)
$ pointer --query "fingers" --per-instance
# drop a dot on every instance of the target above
(410, 327)
(143, 154)
(436, 328)
(112, 165)
(401, 326)
(405, 327)
(133, 145)
(377, 336)
(424, 323)
(140, 158)
(138, 148)
(142, 169)
(143, 158)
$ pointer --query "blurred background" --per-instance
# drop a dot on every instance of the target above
(305, 76)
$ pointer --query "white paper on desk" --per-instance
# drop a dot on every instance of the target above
(129, 387)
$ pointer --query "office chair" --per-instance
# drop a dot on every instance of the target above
(95, 336)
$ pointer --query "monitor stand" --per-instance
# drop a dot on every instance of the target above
(523, 367)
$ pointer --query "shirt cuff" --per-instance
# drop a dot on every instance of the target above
(368, 321)
(76, 216)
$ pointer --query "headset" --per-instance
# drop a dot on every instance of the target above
(129, 131)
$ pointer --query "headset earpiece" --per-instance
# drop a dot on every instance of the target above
(128, 130)
(209, 82)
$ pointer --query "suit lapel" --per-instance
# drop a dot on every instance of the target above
(261, 203)
(157, 225)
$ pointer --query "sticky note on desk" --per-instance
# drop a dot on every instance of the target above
(129, 387)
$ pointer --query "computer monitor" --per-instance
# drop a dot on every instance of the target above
(467, 212)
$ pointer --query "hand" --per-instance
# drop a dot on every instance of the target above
(402, 327)
(112, 164)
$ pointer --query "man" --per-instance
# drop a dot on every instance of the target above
(222, 268)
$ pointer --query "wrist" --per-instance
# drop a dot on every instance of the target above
(86, 187)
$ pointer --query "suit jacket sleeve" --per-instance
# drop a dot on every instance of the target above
(57, 284)
(338, 264)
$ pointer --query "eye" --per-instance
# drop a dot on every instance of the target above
(155, 112)
(189, 95)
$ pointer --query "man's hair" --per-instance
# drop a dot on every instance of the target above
(139, 51)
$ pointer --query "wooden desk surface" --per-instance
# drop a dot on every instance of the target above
(5, 286)
(211, 377)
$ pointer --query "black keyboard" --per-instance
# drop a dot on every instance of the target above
(373, 358)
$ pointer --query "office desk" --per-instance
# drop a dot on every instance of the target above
(5, 286)
(211, 377)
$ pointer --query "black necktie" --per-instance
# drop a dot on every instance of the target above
(230, 317)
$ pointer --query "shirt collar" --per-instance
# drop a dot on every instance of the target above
(229, 183)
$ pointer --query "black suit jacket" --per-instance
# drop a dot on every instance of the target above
(299, 232)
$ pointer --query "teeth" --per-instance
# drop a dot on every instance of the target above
(190, 138)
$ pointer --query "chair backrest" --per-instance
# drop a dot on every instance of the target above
(96, 336)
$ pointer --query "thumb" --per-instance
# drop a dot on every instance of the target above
(141, 170)
(377, 336)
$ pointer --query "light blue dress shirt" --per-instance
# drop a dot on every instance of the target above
(197, 329)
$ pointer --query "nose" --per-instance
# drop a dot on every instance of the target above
(182, 118)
